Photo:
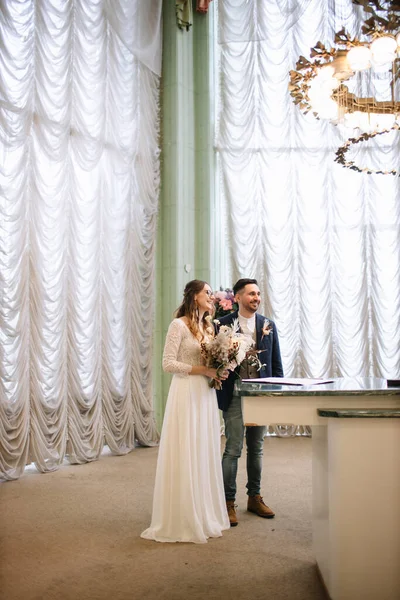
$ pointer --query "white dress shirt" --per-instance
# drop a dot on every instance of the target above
(248, 326)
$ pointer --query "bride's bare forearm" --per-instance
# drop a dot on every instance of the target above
(208, 372)
(200, 370)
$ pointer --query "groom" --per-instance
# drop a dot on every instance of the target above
(265, 338)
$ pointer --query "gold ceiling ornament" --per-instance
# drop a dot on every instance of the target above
(370, 65)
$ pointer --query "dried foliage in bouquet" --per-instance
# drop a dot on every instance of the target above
(227, 350)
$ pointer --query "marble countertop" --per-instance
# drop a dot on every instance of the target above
(346, 386)
(360, 413)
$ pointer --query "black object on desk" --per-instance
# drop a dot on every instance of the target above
(393, 382)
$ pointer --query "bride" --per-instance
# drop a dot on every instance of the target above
(189, 501)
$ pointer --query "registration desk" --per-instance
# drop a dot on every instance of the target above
(356, 477)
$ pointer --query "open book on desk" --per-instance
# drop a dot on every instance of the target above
(287, 381)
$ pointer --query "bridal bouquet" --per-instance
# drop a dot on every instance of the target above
(226, 350)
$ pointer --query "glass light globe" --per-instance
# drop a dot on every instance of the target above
(383, 50)
(329, 110)
(374, 121)
(358, 120)
(341, 66)
(385, 121)
(351, 120)
(320, 91)
(329, 85)
(366, 122)
(359, 58)
(326, 72)
(315, 93)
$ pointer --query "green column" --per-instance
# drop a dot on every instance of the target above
(186, 198)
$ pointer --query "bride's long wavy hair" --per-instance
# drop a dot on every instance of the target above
(188, 307)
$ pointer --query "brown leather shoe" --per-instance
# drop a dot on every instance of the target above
(257, 505)
(230, 507)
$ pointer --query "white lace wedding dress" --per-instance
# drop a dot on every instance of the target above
(189, 501)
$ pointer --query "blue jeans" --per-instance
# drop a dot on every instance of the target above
(234, 433)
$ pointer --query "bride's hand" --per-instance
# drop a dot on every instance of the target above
(213, 374)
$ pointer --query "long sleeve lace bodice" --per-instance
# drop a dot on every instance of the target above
(181, 350)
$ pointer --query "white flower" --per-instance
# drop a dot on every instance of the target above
(243, 349)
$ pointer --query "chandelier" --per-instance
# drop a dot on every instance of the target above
(355, 84)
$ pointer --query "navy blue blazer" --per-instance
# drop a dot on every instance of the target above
(270, 357)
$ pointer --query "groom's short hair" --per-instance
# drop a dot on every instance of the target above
(239, 285)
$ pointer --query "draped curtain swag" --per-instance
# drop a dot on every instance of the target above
(184, 11)
(79, 179)
(323, 241)
(184, 14)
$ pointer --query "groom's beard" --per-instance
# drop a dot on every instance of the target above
(253, 306)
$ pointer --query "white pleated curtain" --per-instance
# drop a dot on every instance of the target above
(323, 241)
(79, 178)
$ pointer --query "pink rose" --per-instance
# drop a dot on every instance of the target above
(226, 304)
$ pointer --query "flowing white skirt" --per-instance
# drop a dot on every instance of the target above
(189, 500)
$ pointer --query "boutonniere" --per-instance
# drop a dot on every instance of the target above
(267, 328)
